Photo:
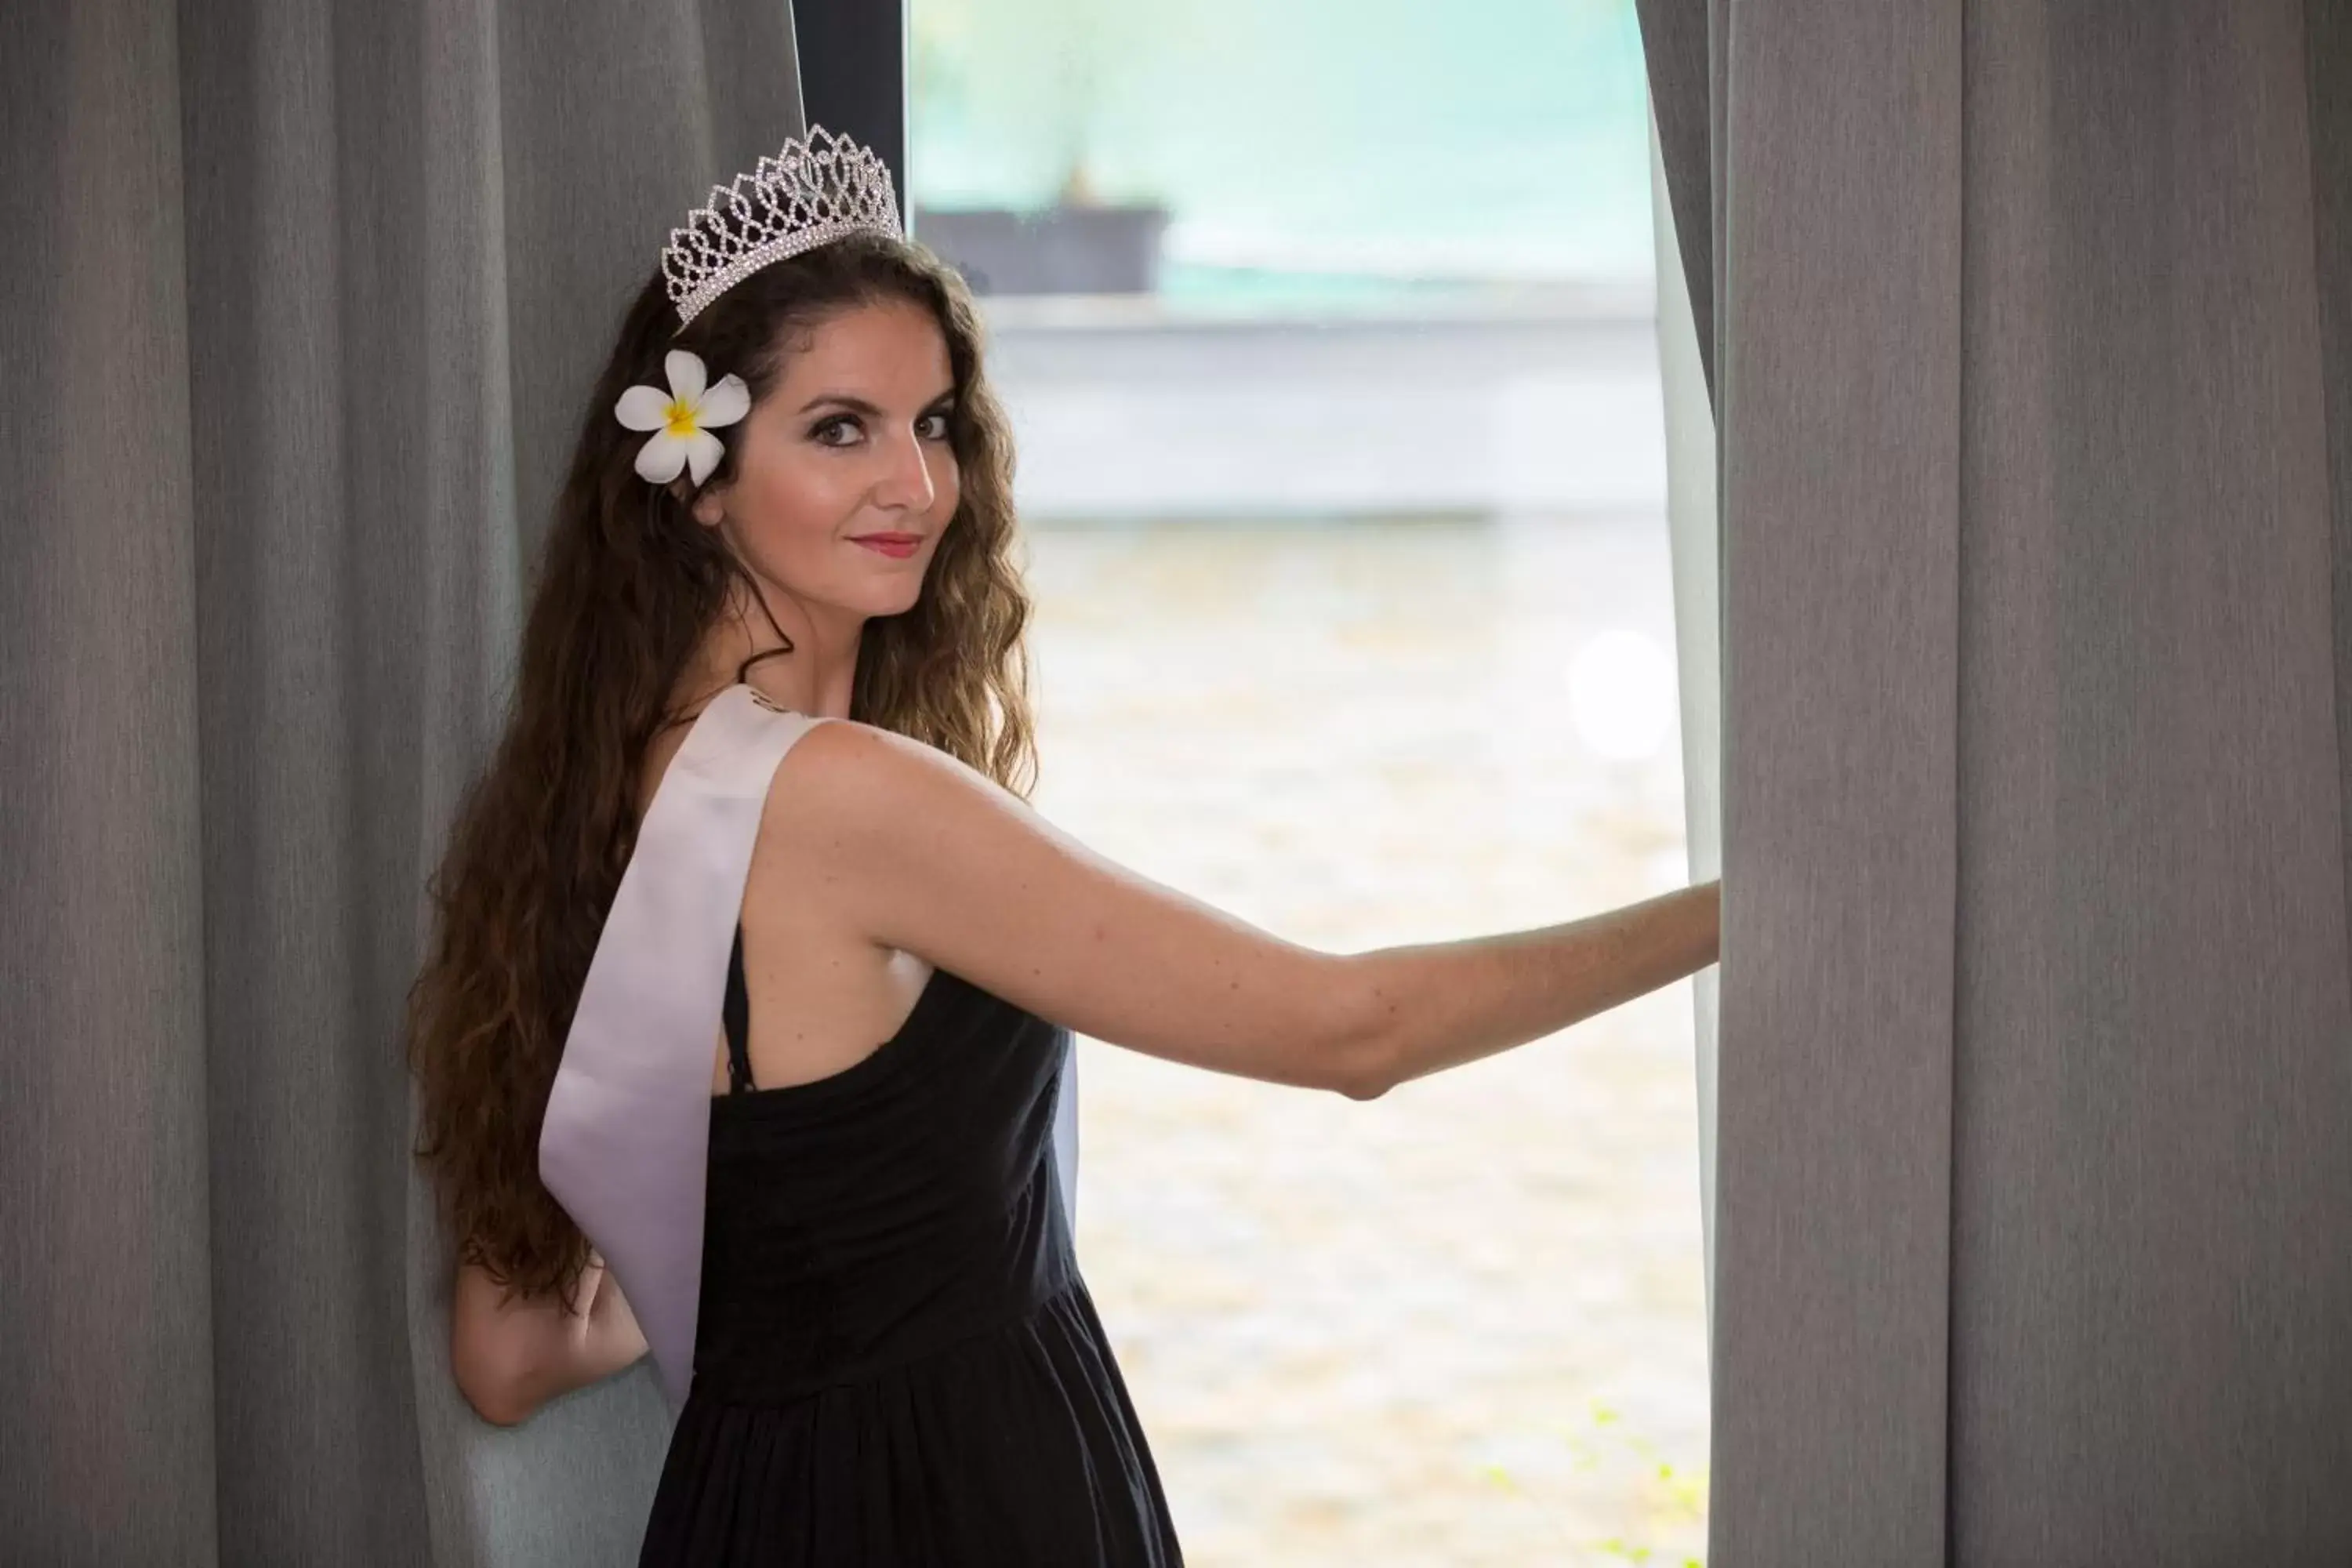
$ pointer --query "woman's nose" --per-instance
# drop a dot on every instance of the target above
(908, 481)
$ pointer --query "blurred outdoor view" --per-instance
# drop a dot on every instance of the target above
(1326, 329)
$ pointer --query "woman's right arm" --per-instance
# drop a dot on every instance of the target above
(513, 1354)
(923, 853)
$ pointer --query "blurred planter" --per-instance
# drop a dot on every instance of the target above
(1061, 251)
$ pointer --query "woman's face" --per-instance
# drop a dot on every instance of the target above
(850, 445)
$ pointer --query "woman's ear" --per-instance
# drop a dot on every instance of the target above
(710, 506)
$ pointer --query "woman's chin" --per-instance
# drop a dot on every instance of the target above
(893, 599)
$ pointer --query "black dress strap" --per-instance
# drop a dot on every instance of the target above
(737, 1010)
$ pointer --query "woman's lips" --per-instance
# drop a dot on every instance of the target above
(897, 546)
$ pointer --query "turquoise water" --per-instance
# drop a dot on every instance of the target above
(1310, 150)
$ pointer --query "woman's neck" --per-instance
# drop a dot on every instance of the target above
(817, 677)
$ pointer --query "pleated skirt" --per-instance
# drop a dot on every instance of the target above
(1016, 1445)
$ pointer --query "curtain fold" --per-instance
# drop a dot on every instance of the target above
(2034, 1129)
(106, 1446)
(305, 304)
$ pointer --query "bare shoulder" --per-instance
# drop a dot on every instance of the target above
(846, 770)
(848, 797)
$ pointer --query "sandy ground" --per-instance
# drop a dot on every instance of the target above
(1464, 1323)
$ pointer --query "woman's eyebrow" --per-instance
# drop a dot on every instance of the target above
(859, 405)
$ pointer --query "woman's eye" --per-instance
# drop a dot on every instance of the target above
(824, 429)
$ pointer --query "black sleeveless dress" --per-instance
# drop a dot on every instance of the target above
(896, 1362)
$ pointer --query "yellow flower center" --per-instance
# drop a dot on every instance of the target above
(681, 420)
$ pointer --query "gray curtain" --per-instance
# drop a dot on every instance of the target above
(2029, 329)
(301, 306)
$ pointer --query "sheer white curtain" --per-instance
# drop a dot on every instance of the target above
(1699, 640)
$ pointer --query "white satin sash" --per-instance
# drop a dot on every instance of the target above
(626, 1142)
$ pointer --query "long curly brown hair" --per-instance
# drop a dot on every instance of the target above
(627, 586)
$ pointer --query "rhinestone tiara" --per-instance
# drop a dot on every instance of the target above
(813, 191)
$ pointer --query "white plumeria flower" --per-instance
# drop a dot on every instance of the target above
(681, 418)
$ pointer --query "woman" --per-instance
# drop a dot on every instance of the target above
(801, 551)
